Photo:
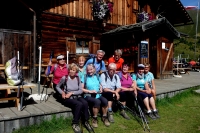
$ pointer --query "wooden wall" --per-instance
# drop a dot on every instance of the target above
(56, 28)
(12, 41)
(122, 10)
(63, 19)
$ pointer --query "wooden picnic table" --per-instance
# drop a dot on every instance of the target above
(179, 70)
(8, 88)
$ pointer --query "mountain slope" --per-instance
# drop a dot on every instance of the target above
(186, 46)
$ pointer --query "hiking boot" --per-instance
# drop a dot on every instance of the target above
(155, 113)
(94, 122)
(110, 116)
(105, 121)
(76, 128)
(150, 114)
(123, 113)
(87, 126)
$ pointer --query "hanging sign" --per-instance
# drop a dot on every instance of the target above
(144, 49)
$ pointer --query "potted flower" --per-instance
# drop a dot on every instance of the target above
(102, 10)
(143, 16)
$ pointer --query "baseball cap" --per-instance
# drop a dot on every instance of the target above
(60, 57)
(141, 66)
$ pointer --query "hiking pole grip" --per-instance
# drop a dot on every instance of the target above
(49, 67)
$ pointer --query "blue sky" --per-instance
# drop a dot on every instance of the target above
(190, 2)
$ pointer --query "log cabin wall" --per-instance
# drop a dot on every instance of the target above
(122, 10)
(70, 18)
(55, 29)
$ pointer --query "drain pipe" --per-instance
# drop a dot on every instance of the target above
(34, 39)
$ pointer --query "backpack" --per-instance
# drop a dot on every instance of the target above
(14, 76)
(66, 79)
(93, 56)
(85, 79)
(135, 74)
(106, 76)
(56, 65)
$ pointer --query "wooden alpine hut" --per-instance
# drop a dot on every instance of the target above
(84, 26)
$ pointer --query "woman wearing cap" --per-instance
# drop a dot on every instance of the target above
(150, 79)
(145, 93)
(128, 89)
(59, 70)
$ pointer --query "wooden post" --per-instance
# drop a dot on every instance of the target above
(167, 57)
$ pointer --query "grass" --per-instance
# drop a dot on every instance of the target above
(179, 114)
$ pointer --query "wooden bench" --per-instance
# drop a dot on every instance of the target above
(16, 98)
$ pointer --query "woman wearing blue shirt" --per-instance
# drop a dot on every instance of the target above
(145, 92)
(92, 90)
(150, 79)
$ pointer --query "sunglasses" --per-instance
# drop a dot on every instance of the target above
(61, 59)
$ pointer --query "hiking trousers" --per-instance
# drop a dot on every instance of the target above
(97, 102)
(79, 108)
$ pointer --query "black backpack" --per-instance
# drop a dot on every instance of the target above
(93, 56)
(106, 76)
(66, 79)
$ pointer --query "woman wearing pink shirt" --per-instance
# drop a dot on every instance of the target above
(128, 88)
(59, 70)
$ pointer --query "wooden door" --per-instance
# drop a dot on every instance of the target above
(164, 57)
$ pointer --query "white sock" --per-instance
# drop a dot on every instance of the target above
(155, 110)
(149, 111)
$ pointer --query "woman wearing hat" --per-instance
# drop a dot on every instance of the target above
(145, 93)
(59, 70)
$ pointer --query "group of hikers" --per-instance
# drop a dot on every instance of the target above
(89, 88)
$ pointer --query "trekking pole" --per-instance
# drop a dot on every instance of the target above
(133, 113)
(49, 67)
(142, 116)
(22, 83)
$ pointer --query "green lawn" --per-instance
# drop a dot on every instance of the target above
(180, 114)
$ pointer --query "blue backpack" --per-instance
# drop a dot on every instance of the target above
(93, 56)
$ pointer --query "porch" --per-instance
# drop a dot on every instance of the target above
(35, 112)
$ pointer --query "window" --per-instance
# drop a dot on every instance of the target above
(82, 46)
